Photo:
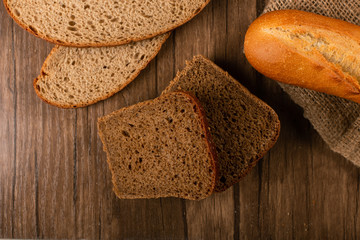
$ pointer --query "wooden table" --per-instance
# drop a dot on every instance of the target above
(54, 179)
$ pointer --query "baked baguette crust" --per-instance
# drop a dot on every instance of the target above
(306, 50)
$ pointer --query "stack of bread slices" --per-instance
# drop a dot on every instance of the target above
(102, 45)
(202, 135)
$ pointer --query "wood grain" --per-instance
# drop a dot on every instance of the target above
(55, 182)
(7, 125)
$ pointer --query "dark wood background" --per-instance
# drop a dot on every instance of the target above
(54, 179)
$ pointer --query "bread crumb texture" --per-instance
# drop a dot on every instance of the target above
(159, 149)
(337, 49)
(73, 77)
(243, 127)
(94, 22)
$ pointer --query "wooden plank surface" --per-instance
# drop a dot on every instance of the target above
(54, 179)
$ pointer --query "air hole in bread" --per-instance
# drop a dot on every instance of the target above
(125, 133)
(169, 119)
(74, 29)
(17, 13)
(33, 29)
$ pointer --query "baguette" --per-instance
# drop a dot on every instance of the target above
(99, 23)
(306, 50)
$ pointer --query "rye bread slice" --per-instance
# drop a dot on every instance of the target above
(160, 148)
(77, 77)
(101, 23)
(243, 127)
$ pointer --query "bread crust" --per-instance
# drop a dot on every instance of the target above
(280, 60)
(109, 44)
(208, 140)
(245, 90)
(42, 73)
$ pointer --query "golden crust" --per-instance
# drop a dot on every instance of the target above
(280, 59)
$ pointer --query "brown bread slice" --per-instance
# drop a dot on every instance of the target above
(77, 77)
(99, 22)
(243, 127)
(160, 148)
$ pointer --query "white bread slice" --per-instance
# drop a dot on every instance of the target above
(101, 23)
(77, 77)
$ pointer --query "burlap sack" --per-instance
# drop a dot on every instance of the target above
(337, 120)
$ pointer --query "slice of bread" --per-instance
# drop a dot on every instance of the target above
(243, 127)
(78, 77)
(101, 23)
(160, 148)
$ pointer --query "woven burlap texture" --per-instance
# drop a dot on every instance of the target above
(336, 120)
